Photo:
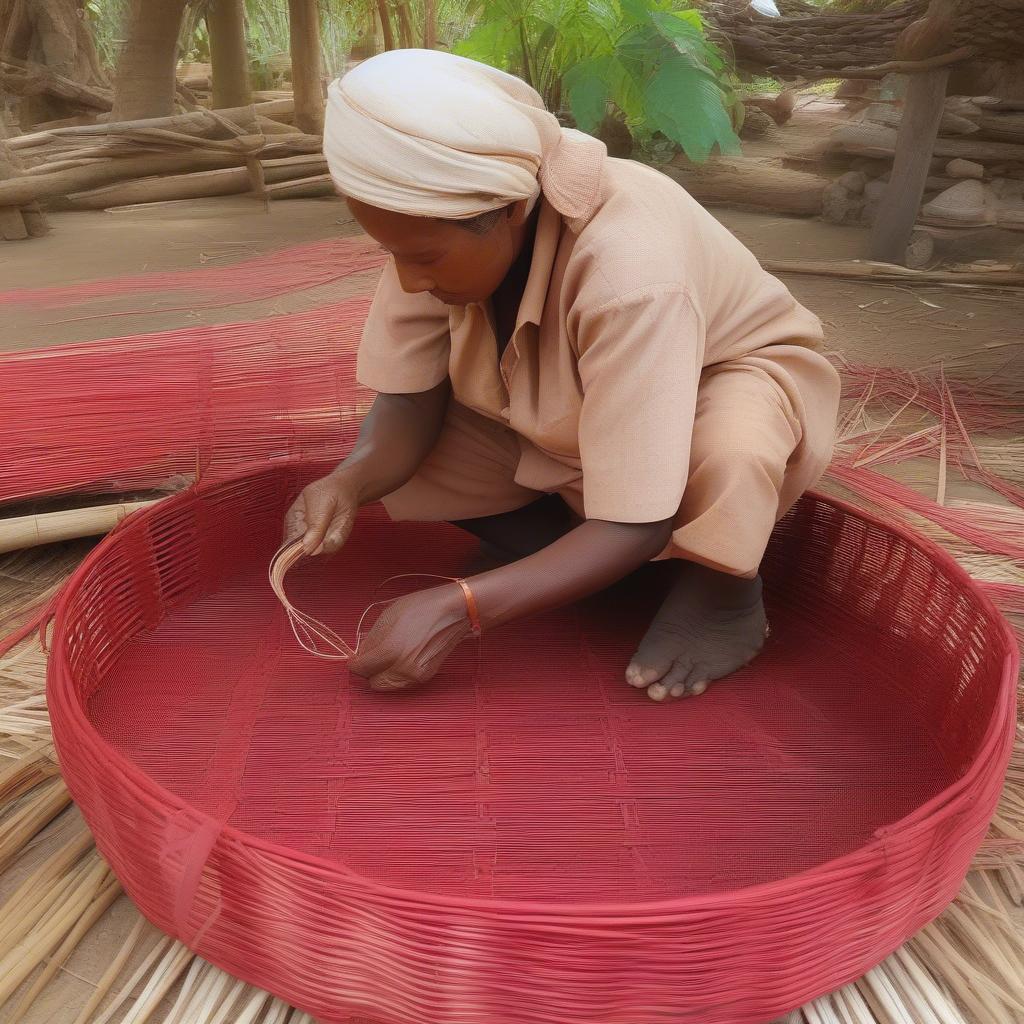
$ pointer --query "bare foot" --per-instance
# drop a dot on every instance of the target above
(709, 625)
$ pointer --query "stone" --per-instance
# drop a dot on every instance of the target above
(966, 203)
(920, 250)
(874, 190)
(965, 169)
(853, 182)
(838, 206)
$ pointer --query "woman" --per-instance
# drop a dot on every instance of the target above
(574, 361)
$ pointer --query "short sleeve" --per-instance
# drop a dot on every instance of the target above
(406, 340)
(640, 361)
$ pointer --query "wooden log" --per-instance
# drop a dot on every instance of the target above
(897, 212)
(12, 224)
(949, 124)
(314, 187)
(32, 187)
(203, 184)
(23, 78)
(304, 18)
(858, 270)
(35, 220)
(200, 123)
(49, 527)
(873, 140)
(750, 183)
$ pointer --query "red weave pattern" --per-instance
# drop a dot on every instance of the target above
(132, 412)
(528, 840)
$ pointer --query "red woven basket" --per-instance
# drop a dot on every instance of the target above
(528, 840)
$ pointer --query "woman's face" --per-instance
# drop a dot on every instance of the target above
(454, 264)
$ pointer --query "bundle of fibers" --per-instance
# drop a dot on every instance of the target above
(527, 839)
(262, 277)
(135, 412)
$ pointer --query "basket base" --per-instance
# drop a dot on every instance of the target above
(527, 768)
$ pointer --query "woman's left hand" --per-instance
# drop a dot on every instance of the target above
(412, 638)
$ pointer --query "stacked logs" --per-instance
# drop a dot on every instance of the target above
(186, 156)
(977, 172)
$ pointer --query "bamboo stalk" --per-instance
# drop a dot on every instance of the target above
(48, 527)
(26, 823)
(110, 974)
(43, 880)
(33, 767)
(100, 905)
(162, 943)
(23, 959)
(170, 969)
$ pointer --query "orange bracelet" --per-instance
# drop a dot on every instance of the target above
(471, 609)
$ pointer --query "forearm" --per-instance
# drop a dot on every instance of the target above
(397, 434)
(587, 559)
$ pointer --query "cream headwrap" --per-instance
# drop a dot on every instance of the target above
(431, 134)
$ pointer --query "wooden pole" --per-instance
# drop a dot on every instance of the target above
(915, 141)
(49, 527)
(305, 50)
(225, 20)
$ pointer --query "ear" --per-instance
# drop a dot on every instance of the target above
(517, 213)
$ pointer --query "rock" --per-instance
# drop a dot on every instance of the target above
(967, 202)
(964, 169)
(853, 182)
(920, 250)
(839, 206)
(756, 124)
(1007, 188)
(874, 190)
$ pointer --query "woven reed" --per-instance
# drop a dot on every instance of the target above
(341, 934)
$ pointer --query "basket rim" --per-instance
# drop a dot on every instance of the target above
(993, 755)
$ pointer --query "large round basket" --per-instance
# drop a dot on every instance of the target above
(528, 840)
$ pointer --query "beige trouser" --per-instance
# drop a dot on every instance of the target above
(762, 435)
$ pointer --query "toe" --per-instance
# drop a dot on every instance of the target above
(673, 683)
(640, 675)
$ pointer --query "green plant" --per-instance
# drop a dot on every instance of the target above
(647, 58)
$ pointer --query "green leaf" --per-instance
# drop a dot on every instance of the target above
(588, 86)
(685, 104)
(490, 42)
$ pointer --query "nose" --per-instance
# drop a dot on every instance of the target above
(413, 280)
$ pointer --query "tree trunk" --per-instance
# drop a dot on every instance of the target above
(385, 24)
(429, 24)
(225, 21)
(750, 183)
(305, 50)
(54, 34)
(145, 85)
(404, 25)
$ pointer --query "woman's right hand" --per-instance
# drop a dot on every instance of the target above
(322, 515)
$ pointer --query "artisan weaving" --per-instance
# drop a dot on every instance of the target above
(527, 840)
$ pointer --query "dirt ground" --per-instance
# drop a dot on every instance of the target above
(866, 322)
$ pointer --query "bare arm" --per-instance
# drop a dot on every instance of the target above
(415, 634)
(585, 560)
(397, 434)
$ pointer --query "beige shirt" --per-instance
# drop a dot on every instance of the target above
(622, 309)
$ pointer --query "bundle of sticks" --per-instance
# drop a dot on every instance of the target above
(186, 156)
